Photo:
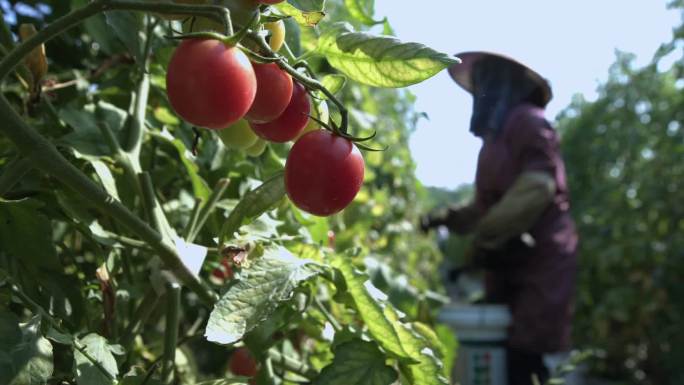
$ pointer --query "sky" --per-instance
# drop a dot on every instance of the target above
(571, 43)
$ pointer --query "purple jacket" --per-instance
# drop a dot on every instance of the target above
(538, 283)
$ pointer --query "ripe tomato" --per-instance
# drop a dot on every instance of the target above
(257, 148)
(222, 273)
(274, 91)
(277, 29)
(323, 173)
(291, 122)
(239, 135)
(209, 84)
(242, 363)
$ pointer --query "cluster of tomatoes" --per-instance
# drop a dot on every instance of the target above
(214, 85)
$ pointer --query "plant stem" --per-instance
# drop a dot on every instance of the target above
(75, 17)
(171, 332)
(142, 313)
(209, 207)
(291, 364)
(194, 217)
(336, 325)
(14, 171)
(45, 157)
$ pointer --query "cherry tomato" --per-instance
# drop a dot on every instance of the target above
(277, 29)
(291, 122)
(242, 363)
(323, 173)
(257, 148)
(274, 91)
(238, 135)
(209, 84)
(223, 273)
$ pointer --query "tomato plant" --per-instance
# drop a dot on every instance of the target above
(277, 38)
(323, 173)
(209, 84)
(291, 122)
(136, 248)
(242, 363)
(274, 91)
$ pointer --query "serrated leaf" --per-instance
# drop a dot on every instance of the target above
(367, 300)
(253, 204)
(99, 349)
(263, 286)
(303, 15)
(334, 83)
(357, 362)
(362, 11)
(26, 358)
(26, 234)
(128, 27)
(380, 61)
(429, 369)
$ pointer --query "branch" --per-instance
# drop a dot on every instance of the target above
(75, 17)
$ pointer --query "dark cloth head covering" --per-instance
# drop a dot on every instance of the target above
(498, 87)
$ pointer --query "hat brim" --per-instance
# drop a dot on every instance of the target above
(461, 72)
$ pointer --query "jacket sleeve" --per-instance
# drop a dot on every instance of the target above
(517, 211)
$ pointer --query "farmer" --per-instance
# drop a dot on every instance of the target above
(523, 235)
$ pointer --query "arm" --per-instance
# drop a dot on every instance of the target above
(517, 211)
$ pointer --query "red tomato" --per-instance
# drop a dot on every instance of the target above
(242, 363)
(224, 272)
(274, 91)
(291, 122)
(323, 173)
(209, 84)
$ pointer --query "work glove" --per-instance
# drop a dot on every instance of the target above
(458, 219)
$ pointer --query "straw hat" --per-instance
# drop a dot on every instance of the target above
(461, 72)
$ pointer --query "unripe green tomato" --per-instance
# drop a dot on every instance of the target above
(257, 148)
(239, 135)
(277, 29)
(319, 111)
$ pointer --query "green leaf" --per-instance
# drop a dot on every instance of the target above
(106, 178)
(199, 186)
(305, 14)
(224, 381)
(334, 83)
(263, 286)
(380, 61)
(87, 137)
(253, 204)
(293, 36)
(99, 349)
(369, 303)
(362, 10)
(26, 234)
(25, 356)
(128, 27)
(357, 362)
(429, 369)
